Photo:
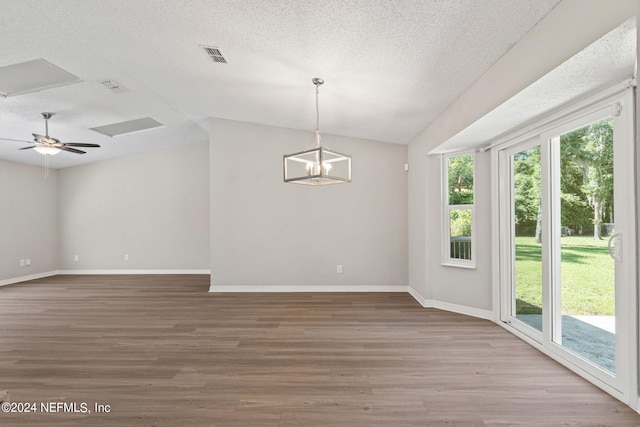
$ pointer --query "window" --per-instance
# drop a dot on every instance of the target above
(458, 245)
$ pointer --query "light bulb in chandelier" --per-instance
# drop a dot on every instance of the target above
(313, 168)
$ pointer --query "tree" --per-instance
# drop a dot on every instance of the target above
(460, 222)
(526, 170)
(590, 149)
(586, 181)
(460, 172)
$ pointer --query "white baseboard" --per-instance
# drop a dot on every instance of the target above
(461, 309)
(97, 272)
(422, 300)
(427, 303)
(455, 308)
(27, 278)
(89, 272)
(267, 288)
(469, 311)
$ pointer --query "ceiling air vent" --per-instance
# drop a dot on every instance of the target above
(113, 86)
(214, 53)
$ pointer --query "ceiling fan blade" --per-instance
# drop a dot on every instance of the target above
(79, 144)
(71, 150)
(16, 140)
(27, 148)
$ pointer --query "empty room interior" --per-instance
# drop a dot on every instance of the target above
(319, 213)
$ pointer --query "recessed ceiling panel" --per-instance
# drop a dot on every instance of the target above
(32, 76)
(130, 126)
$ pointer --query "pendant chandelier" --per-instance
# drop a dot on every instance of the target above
(318, 165)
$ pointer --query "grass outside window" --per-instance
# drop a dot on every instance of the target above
(587, 276)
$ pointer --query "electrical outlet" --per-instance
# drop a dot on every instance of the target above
(21, 263)
(339, 269)
(126, 257)
(27, 262)
(76, 258)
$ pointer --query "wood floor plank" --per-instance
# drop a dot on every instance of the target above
(162, 351)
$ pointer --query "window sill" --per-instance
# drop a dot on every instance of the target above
(467, 266)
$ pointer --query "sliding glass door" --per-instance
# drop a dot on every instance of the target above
(525, 238)
(584, 292)
(567, 251)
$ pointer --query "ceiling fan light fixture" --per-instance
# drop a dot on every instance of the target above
(47, 151)
(318, 165)
(49, 146)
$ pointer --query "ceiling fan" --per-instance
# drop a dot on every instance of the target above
(47, 145)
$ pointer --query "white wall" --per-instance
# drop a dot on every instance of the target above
(154, 207)
(28, 220)
(268, 233)
(454, 285)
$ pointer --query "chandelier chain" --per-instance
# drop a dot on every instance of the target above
(317, 108)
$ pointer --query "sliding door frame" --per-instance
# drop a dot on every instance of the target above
(620, 101)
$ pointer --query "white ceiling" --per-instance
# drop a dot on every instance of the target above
(390, 67)
(606, 62)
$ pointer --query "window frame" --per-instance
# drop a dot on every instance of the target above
(445, 251)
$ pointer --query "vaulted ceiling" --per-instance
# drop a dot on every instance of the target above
(391, 67)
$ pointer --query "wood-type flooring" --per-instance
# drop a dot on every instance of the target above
(158, 350)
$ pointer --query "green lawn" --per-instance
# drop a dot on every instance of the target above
(587, 276)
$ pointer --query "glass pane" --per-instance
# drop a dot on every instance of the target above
(460, 226)
(460, 173)
(587, 272)
(527, 217)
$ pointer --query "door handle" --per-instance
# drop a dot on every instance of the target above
(615, 252)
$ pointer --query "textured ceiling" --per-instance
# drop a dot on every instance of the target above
(390, 67)
(606, 62)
